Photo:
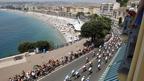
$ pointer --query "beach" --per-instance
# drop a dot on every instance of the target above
(64, 25)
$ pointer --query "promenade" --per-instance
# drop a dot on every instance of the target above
(12, 69)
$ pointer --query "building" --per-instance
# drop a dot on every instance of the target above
(107, 8)
(84, 9)
(120, 12)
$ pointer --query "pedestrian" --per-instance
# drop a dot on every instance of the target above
(10, 79)
(33, 75)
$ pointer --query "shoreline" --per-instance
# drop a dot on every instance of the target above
(57, 22)
(69, 37)
(60, 23)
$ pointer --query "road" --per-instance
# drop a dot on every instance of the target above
(60, 73)
(96, 73)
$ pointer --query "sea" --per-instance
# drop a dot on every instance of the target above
(16, 28)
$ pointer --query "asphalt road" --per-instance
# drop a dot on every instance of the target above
(60, 73)
(94, 76)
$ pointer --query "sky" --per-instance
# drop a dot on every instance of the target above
(97, 1)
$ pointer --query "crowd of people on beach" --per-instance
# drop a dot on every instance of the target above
(64, 25)
(66, 28)
(99, 57)
(42, 70)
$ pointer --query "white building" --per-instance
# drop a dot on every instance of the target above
(107, 8)
(120, 12)
(84, 9)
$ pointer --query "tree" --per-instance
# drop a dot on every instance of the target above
(94, 16)
(42, 45)
(122, 2)
(103, 19)
(97, 28)
(107, 21)
(27, 46)
(93, 29)
(88, 12)
(79, 14)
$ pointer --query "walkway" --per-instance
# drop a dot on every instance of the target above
(12, 70)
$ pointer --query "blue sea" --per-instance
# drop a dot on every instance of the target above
(17, 27)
